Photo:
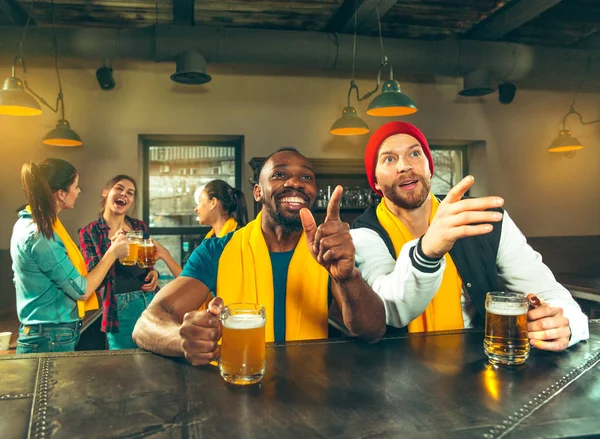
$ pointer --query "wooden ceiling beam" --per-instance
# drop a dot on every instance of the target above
(510, 17)
(366, 15)
(183, 12)
(11, 13)
(589, 41)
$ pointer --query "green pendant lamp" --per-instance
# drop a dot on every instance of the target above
(391, 101)
(349, 124)
(14, 100)
(62, 135)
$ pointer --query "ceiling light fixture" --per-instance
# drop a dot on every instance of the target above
(350, 124)
(391, 102)
(565, 142)
(191, 69)
(476, 83)
(15, 101)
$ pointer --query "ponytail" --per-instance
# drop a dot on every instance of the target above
(240, 214)
(232, 200)
(40, 181)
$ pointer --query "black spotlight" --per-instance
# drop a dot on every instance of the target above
(506, 92)
(105, 78)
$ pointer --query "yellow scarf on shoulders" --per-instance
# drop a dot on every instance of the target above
(444, 312)
(229, 226)
(78, 262)
(245, 275)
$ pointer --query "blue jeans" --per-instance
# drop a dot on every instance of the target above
(48, 337)
(130, 307)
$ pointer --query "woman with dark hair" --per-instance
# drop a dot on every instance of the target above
(222, 207)
(127, 290)
(53, 286)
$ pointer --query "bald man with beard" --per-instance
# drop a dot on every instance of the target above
(299, 272)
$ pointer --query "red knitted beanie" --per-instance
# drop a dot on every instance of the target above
(379, 136)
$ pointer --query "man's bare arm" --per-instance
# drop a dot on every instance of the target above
(157, 330)
(331, 245)
(362, 309)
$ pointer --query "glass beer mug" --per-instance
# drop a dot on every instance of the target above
(133, 237)
(146, 255)
(506, 340)
(243, 343)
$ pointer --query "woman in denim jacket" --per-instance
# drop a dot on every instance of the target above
(127, 290)
(51, 281)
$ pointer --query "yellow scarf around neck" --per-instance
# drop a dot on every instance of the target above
(245, 274)
(78, 262)
(444, 312)
(229, 226)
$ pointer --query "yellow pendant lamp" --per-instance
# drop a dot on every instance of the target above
(565, 142)
(15, 101)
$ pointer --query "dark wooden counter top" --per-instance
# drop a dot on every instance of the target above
(419, 386)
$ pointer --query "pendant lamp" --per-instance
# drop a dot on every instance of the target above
(14, 100)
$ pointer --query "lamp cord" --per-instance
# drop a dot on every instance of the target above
(59, 98)
(383, 57)
(384, 62)
(20, 58)
(25, 30)
(573, 111)
(572, 108)
(354, 44)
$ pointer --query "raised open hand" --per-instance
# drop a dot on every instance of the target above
(457, 218)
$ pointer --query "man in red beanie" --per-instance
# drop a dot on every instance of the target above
(432, 262)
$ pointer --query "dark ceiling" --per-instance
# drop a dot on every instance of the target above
(566, 23)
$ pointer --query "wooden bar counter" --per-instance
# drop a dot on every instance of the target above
(436, 385)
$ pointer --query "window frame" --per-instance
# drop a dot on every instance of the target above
(172, 140)
(465, 162)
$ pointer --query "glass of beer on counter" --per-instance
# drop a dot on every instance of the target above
(506, 340)
(133, 237)
(243, 343)
(146, 255)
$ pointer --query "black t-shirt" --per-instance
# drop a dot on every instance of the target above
(129, 278)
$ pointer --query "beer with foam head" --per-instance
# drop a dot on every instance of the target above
(243, 343)
(133, 238)
(506, 340)
(146, 255)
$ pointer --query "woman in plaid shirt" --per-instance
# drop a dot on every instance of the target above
(127, 290)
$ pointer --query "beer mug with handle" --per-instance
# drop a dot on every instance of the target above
(134, 237)
(243, 343)
(506, 340)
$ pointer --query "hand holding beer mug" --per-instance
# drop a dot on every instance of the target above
(506, 341)
(243, 343)
(133, 237)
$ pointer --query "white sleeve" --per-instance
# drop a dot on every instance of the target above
(521, 269)
(405, 289)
